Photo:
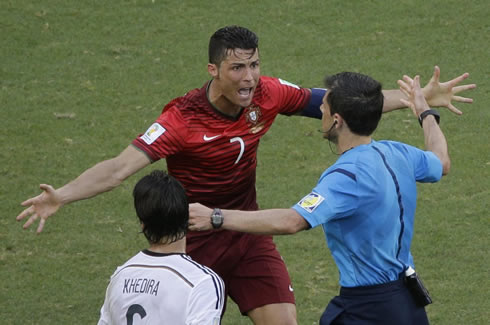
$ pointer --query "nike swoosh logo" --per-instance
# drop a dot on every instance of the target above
(206, 138)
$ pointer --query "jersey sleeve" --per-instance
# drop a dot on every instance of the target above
(288, 97)
(426, 165)
(335, 196)
(105, 318)
(166, 136)
(206, 302)
(429, 168)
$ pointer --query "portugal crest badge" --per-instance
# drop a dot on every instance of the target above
(253, 115)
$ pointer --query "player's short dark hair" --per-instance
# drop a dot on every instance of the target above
(357, 98)
(230, 38)
(162, 207)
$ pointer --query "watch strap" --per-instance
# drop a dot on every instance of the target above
(432, 112)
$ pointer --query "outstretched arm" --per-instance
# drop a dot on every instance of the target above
(100, 178)
(434, 138)
(437, 94)
(265, 222)
(392, 99)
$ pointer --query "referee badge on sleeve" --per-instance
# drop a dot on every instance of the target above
(311, 201)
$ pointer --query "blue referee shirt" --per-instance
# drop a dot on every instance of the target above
(365, 203)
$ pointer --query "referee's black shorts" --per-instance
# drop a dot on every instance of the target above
(389, 303)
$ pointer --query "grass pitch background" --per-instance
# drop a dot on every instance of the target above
(80, 79)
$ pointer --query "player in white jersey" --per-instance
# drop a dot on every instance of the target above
(161, 284)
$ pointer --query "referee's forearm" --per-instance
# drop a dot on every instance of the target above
(264, 222)
(435, 141)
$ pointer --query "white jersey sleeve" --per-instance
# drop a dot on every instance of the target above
(104, 311)
(205, 303)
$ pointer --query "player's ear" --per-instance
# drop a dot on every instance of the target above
(213, 70)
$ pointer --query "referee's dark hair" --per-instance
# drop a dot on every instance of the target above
(357, 98)
(162, 207)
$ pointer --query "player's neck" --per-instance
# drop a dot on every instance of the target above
(220, 102)
(175, 247)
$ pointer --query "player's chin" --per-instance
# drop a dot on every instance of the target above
(245, 101)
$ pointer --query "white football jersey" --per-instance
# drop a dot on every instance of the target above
(155, 288)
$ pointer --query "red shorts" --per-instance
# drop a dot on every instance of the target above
(250, 265)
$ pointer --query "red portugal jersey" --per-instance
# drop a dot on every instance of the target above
(215, 156)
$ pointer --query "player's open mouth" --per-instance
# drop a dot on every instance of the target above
(245, 92)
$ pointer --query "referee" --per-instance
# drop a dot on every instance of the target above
(161, 284)
(365, 203)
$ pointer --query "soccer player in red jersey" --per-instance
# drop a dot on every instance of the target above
(209, 138)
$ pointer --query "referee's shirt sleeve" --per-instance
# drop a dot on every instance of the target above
(335, 196)
(206, 302)
(427, 166)
(430, 168)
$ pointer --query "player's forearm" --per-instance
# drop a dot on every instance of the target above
(265, 222)
(104, 176)
(435, 141)
(95, 180)
(392, 100)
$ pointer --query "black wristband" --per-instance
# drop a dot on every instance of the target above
(429, 112)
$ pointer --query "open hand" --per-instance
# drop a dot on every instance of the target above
(40, 207)
(416, 100)
(441, 94)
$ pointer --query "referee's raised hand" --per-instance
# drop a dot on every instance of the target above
(442, 94)
(415, 97)
(40, 207)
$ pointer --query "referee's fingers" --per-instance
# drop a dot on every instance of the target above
(195, 227)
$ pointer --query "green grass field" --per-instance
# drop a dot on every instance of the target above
(80, 79)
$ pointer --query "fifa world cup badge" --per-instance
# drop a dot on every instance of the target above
(253, 116)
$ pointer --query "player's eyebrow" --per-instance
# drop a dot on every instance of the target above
(241, 64)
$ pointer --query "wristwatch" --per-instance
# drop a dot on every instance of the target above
(429, 112)
(216, 218)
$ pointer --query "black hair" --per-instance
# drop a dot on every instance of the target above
(162, 207)
(357, 98)
(231, 38)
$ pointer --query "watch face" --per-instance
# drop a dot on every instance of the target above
(216, 218)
